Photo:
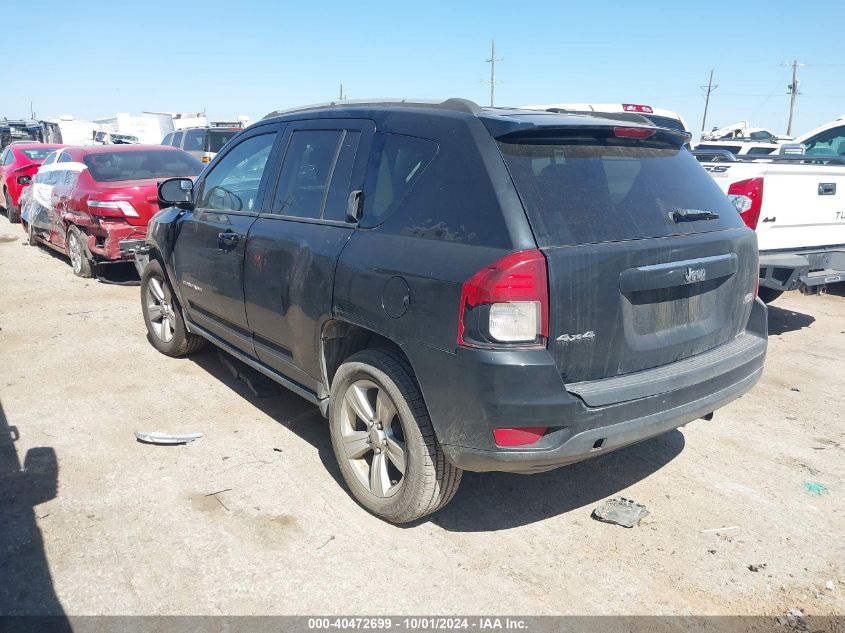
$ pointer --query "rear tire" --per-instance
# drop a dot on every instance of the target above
(77, 249)
(163, 315)
(767, 295)
(384, 441)
(13, 214)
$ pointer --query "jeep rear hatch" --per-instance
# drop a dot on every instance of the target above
(648, 262)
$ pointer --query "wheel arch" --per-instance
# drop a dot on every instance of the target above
(340, 339)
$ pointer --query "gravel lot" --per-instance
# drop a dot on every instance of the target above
(135, 529)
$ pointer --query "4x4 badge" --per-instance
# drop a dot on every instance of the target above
(694, 275)
(568, 338)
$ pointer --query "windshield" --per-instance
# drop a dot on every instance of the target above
(598, 191)
(38, 154)
(218, 138)
(141, 165)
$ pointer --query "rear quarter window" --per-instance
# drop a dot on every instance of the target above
(599, 191)
(436, 188)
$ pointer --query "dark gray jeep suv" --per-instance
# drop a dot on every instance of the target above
(462, 288)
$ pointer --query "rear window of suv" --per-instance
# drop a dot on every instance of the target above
(141, 165)
(216, 139)
(598, 190)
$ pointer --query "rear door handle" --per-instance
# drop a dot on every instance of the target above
(827, 188)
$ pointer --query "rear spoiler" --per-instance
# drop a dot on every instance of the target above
(666, 137)
(724, 156)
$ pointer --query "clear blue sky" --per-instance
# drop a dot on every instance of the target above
(98, 57)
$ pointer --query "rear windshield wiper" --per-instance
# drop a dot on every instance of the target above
(689, 215)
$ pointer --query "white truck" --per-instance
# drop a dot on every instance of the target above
(796, 204)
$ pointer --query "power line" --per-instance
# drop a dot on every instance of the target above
(707, 90)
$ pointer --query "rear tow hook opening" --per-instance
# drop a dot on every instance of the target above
(707, 417)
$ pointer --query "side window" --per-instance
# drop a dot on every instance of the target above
(64, 158)
(234, 182)
(304, 180)
(828, 143)
(177, 139)
(50, 159)
(395, 166)
(4, 157)
(166, 140)
(194, 140)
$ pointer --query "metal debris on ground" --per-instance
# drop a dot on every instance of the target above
(720, 529)
(757, 567)
(159, 437)
(620, 511)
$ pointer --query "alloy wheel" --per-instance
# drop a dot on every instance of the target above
(160, 309)
(75, 252)
(372, 438)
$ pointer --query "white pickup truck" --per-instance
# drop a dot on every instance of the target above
(796, 204)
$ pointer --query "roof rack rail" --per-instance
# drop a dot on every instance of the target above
(460, 105)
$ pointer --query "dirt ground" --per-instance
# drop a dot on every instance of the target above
(94, 522)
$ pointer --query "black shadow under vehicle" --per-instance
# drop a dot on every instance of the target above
(462, 288)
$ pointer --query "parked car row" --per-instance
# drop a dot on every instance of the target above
(91, 203)
(825, 140)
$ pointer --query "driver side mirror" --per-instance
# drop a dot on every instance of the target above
(177, 192)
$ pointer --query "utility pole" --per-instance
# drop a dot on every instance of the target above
(793, 92)
(492, 61)
(707, 90)
(341, 95)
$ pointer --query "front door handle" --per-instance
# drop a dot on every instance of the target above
(228, 240)
(827, 188)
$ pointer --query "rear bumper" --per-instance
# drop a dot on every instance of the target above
(116, 240)
(806, 270)
(525, 391)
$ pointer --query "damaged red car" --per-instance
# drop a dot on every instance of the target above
(94, 203)
(18, 164)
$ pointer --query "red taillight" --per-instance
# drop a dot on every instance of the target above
(519, 437)
(747, 197)
(633, 132)
(633, 107)
(516, 289)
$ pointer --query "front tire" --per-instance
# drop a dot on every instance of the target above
(767, 295)
(163, 315)
(77, 251)
(384, 441)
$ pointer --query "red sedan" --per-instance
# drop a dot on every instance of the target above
(18, 164)
(94, 203)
